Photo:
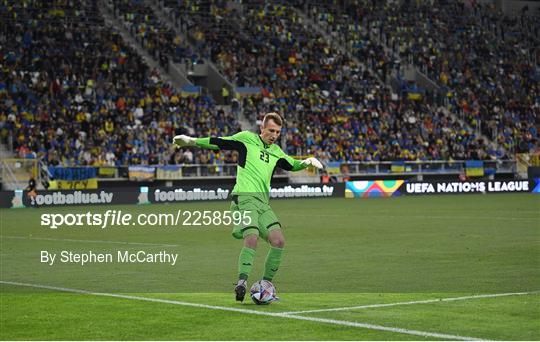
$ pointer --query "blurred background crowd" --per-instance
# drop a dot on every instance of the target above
(73, 92)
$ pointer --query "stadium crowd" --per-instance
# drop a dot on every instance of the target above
(154, 36)
(323, 92)
(72, 92)
(483, 61)
(76, 94)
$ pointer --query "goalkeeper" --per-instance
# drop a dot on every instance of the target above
(258, 156)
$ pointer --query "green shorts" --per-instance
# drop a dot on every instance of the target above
(257, 217)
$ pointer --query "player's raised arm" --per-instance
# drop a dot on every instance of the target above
(290, 164)
(213, 143)
(185, 141)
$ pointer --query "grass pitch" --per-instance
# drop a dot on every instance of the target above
(340, 253)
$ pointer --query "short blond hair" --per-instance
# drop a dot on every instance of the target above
(272, 116)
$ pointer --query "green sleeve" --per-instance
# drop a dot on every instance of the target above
(297, 165)
(222, 143)
(290, 164)
(205, 143)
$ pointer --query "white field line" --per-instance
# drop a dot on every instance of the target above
(427, 301)
(88, 241)
(254, 312)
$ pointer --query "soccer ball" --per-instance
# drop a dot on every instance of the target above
(263, 292)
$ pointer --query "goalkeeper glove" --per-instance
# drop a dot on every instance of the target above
(313, 162)
(183, 141)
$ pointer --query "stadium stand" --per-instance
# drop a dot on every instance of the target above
(75, 94)
(485, 62)
(332, 102)
(162, 42)
(81, 75)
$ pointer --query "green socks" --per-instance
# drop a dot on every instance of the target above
(271, 266)
(273, 259)
(245, 262)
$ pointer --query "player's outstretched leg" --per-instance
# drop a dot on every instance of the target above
(274, 256)
(245, 264)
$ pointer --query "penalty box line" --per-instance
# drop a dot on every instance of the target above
(426, 301)
(254, 312)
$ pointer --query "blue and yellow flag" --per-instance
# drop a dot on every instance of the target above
(398, 167)
(474, 168)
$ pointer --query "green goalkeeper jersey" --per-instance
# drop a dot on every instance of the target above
(256, 162)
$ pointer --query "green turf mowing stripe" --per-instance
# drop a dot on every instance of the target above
(427, 301)
(87, 241)
(262, 313)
